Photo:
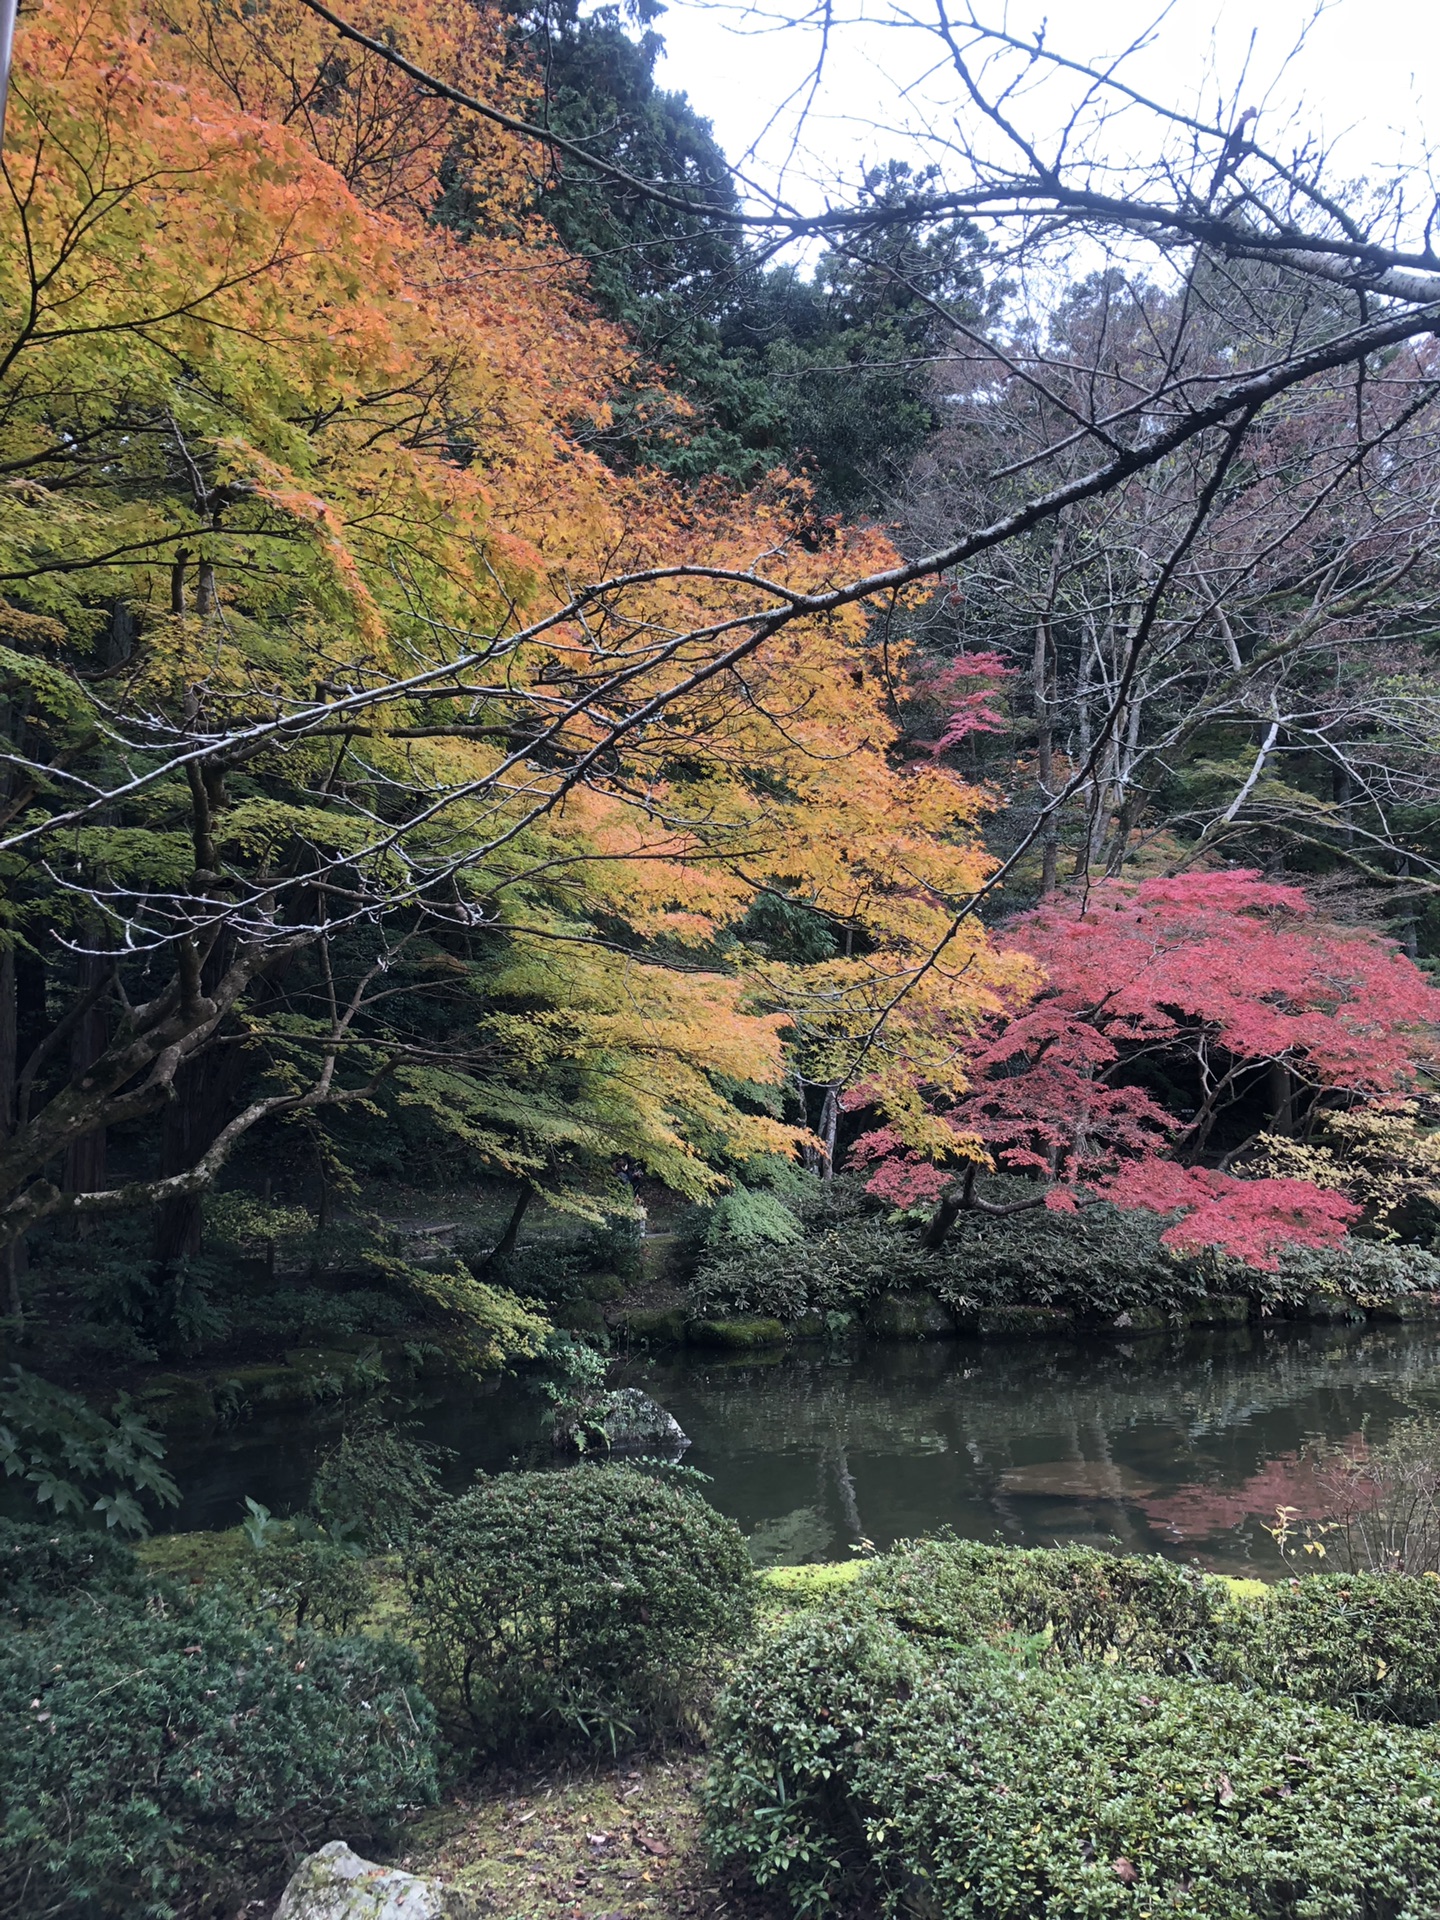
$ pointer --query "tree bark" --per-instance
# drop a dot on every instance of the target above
(505, 1245)
(829, 1128)
(1042, 684)
(9, 1042)
(205, 1091)
(1282, 1098)
(85, 1157)
(951, 1206)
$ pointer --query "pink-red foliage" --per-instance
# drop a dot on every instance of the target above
(902, 1176)
(964, 712)
(1241, 968)
(1252, 1220)
(1213, 977)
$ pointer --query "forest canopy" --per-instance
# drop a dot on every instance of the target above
(493, 656)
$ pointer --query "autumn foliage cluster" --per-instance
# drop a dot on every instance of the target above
(1179, 1020)
(300, 534)
(278, 434)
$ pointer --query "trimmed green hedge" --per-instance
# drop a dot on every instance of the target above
(587, 1603)
(1074, 1603)
(849, 1768)
(1368, 1642)
(980, 1733)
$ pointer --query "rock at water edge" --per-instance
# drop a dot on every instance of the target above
(620, 1419)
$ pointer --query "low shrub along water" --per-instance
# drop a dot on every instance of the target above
(982, 1733)
(1098, 1265)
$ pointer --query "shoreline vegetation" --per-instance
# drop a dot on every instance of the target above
(848, 1273)
(697, 1737)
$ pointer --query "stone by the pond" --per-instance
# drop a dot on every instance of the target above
(336, 1884)
(1076, 1480)
(621, 1419)
(917, 1315)
(1330, 1309)
(1407, 1306)
(735, 1334)
(1220, 1310)
(653, 1327)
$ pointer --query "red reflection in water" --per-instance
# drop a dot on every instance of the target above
(1289, 1480)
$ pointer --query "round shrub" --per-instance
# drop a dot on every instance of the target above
(164, 1752)
(1368, 1642)
(852, 1769)
(1076, 1603)
(307, 1583)
(589, 1602)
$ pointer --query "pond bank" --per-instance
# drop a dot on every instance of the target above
(918, 1314)
(1182, 1444)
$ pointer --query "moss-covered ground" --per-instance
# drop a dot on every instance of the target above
(610, 1841)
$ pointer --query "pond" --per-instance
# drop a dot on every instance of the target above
(1183, 1446)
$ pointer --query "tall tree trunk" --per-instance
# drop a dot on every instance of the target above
(85, 1160)
(1045, 753)
(829, 1128)
(26, 1005)
(204, 1093)
(1282, 1098)
(1408, 929)
(810, 1157)
(9, 1075)
(506, 1244)
(9, 1042)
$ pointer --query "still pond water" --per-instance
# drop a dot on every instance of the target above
(1185, 1447)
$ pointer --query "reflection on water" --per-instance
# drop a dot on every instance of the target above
(1185, 1446)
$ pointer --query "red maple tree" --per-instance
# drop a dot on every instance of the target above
(1178, 1018)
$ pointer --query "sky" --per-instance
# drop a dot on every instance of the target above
(1367, 79)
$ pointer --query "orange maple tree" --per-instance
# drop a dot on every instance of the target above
(297, 547)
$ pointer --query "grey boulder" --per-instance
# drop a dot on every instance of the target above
(618, 1420)
(336, 1884)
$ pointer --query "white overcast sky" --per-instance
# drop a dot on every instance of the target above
(1367, 79)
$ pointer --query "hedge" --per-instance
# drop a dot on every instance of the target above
(852, 1768)
(584, 1604)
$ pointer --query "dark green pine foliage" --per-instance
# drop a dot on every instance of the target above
(827, 373)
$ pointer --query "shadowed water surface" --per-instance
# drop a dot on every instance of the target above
(1185, 1447)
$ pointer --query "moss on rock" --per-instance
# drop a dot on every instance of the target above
(1221, 1310)
(735, 1333)
(177, 1402)
(652, 1326)
(1032, 1322)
